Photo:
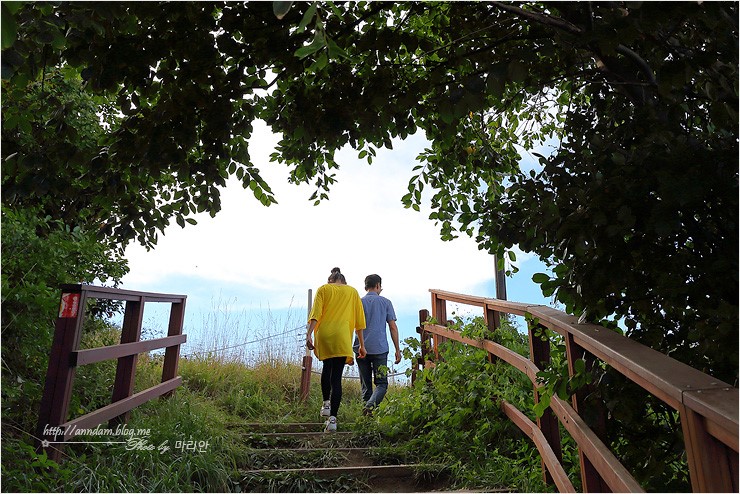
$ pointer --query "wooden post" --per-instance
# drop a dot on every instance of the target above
(126, 369)
(172, 354)
(713, 467)
(425, 338)
(493, 322)
(500, 279)
(591, 479)
(539, 352)
(439, 313)
(60, 373)
(307, 362)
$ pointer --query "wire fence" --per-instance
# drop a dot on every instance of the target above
(240, 345)
(218, 351)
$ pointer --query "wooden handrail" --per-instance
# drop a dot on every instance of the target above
(618, 478)
(708, 407)
(66, 357)
(560, 478)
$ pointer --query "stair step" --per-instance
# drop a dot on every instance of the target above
(369, 471)
(302, 435)
(255, 428)
(293, 458)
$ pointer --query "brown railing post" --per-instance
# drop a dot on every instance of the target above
(126, 369)
(60, 373)
(423, 339)
(591, 479)
(712, 466)
(493, 322)
(439, 313)
(172, 354)
(539, 351)
(307, 362)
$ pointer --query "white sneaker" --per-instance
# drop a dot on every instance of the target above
(331, 425)
(326, 409)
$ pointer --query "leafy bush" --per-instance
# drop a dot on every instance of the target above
(452, 414)
(39, 254)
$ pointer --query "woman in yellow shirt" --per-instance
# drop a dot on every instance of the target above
(336, 314)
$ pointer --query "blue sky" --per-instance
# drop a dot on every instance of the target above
(252, 260)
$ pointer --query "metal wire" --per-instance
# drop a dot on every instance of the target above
(246, 343)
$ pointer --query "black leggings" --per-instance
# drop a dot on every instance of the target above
(331, 382)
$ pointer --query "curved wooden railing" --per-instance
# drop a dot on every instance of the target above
(708, 407)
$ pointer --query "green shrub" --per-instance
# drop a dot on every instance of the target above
(452, 414)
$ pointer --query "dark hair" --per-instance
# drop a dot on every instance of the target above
(336, 276)
(371, 281)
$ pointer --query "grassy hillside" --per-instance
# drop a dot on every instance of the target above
(195, 441)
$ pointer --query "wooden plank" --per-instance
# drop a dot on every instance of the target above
(718, 406)
(60, 374)
(511, 357)
(550, 459)
(385, 471)
(100, 415)
(457, 298)
(710, 467)
(590, 478)
(123, 386)
(92, 355)
(172, 354)
(108, 293)
(659, 374)
(539, 351)
(617, 477)
(515, 308)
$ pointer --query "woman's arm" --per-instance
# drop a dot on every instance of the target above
(309, 332)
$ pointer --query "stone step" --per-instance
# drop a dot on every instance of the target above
(378, 478)
(284, 427)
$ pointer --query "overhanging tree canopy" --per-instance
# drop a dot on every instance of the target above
(636, 208)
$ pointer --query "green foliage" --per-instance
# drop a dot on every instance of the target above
(638, 102)
(452, 415)
(40, 254)
(24, 470)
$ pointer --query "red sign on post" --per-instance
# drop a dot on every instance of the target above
(70, 305)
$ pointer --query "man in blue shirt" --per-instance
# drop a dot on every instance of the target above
(374, 367)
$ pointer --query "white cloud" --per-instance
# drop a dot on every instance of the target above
(292, 246)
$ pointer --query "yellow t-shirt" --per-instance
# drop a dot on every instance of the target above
(338, 311)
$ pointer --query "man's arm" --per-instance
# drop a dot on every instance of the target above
(361, 352)
(394, 336)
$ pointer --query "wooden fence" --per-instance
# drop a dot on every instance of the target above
(708, 407)
(66, 356)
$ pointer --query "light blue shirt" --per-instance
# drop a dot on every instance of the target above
(378, 311)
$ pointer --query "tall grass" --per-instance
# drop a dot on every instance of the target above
(229, 334)
(229, 381)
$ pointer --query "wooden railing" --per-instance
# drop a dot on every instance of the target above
(53, 428)
(708, 407)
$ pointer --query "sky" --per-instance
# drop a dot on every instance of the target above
(258, 263)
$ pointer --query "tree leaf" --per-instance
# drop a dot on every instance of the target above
(540, 278)
(9, 28)
(318, 43)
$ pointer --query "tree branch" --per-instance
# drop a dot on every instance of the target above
(567, 26)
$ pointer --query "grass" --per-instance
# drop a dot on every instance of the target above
(198, 438)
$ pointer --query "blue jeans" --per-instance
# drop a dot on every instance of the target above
(371, 372)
